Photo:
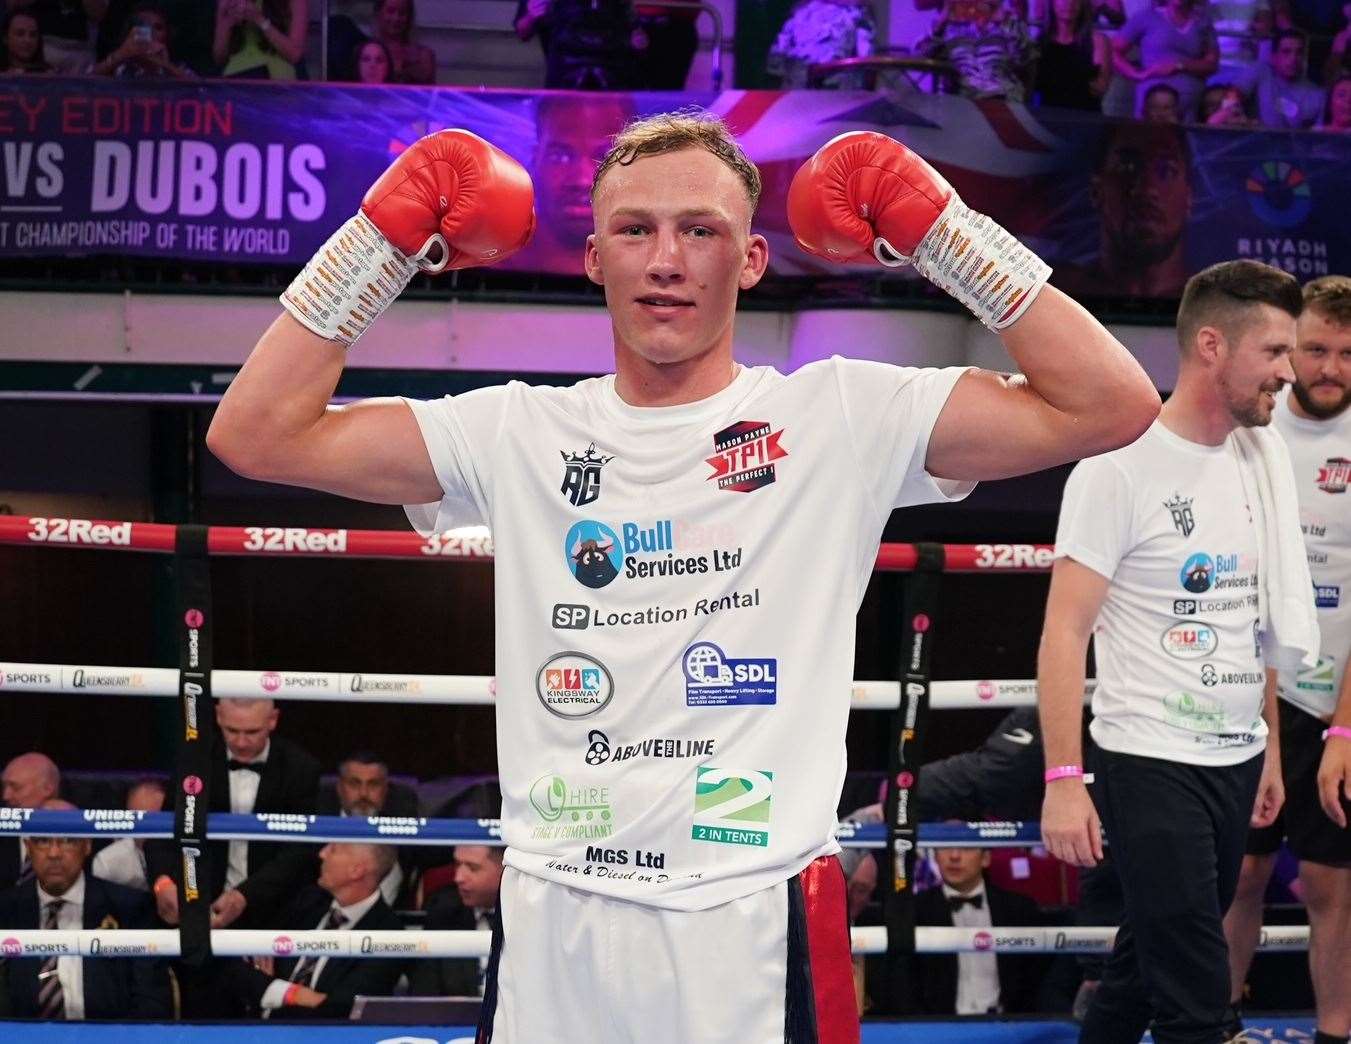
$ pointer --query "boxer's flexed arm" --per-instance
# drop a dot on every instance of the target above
(451, 200)
(864, 196)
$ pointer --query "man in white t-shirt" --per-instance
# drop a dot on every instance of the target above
(681, 548)
(1316, 424)
(1156, 559)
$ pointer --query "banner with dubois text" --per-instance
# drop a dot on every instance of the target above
(235, 173)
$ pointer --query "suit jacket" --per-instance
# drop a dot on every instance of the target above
(926, 984)
(342, 979)
(114, 987)
(289, 782)
(446, 976)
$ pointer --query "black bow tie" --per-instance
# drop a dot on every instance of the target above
(248, 766)
(956, 902)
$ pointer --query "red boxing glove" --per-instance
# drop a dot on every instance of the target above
(865, 196)
(453, 200)
(861, 187)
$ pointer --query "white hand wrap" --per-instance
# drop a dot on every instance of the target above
(978, 262)
(354, 277)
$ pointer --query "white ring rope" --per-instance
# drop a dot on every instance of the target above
(462, 689)
(162, 942)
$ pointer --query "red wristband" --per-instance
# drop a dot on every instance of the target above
(1337, 730)
(292, 992)
(162, 883)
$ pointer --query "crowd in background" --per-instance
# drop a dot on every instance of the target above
(1280, 64)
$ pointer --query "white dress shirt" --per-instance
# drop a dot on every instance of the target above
(122, 862)
(243, 794)
(275, 993)
(977, 973)
(70, 918)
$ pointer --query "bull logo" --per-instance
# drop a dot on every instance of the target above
(581, 475)
(1196, 573)
(593, 555)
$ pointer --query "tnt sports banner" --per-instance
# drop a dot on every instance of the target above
(956, 1031)
(265, 172)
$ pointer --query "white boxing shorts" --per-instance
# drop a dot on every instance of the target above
(770, 968)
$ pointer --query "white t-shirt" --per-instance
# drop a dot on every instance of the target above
(676, 590)
(1320, 451)
(1180, 673)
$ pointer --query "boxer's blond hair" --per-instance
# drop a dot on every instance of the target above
(1330, 297)
(683, 129)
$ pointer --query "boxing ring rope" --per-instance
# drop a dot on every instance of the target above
(234, 942)
(473, 544)
(453, 689)
(420, 830)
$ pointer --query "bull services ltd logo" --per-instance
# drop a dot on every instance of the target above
(581, 475)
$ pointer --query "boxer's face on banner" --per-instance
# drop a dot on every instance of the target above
(1322, 364)
(673, 248)
(573, 139)
(1144, 196)
(1255, 363)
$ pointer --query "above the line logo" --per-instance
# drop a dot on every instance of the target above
(744, 456)
(599, 750)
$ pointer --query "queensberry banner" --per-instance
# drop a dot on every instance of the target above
(235, 173)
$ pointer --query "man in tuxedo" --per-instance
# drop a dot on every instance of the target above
(28, 781)
(60, 895)
(974, 983)
(472, 907)
(963, 983)
(346, 898)
(363, 789)
(252, 770)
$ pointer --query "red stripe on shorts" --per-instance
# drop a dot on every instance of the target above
(826, 910)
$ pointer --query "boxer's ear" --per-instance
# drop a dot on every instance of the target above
(592, 262)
